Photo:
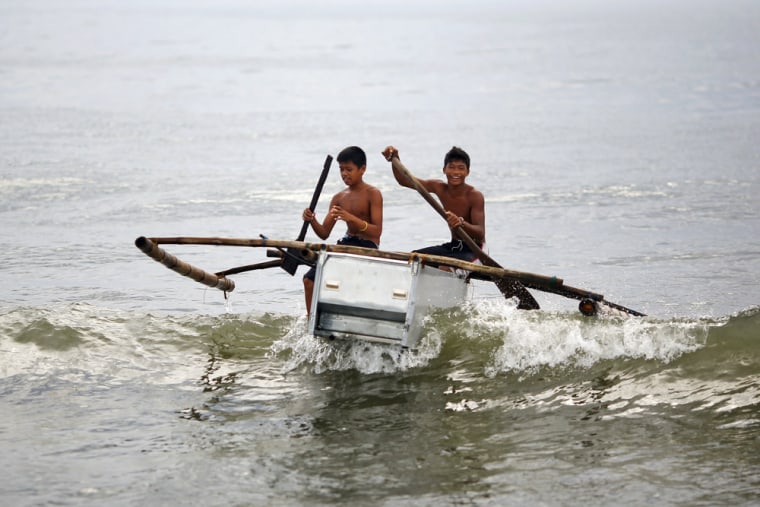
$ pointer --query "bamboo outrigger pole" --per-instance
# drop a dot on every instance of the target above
(152, 250)
(307, 250)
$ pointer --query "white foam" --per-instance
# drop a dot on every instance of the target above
(530, 340)
(323, 355)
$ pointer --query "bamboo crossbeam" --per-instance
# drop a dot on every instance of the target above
(309, 249)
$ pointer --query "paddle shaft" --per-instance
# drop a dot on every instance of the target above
(291, 261)
(315, 196)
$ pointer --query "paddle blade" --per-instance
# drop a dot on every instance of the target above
(513, 288)
(291, 260)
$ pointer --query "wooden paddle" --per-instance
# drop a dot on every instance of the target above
(510, 288)
(290, 259)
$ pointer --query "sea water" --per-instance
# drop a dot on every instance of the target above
(615, 144)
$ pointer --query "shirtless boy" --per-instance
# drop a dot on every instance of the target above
(463, 203)
(360, 205)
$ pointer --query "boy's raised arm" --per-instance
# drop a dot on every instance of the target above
(430, 185)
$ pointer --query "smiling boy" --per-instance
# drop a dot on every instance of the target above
(463, 203)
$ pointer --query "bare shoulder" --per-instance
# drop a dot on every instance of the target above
(366, 191)
(374, 191)
(474, 194)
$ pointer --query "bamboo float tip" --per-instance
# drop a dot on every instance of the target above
(152, 250)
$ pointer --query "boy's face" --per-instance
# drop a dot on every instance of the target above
(456, 171)
(351, 174)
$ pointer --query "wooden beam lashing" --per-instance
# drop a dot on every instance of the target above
(155, 252)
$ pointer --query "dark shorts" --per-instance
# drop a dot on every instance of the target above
(348, 241)
(456, 249)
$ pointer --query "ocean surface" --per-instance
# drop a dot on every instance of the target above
(616, 144)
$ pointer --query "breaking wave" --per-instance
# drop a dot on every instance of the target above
(484, 355)
(503, 339)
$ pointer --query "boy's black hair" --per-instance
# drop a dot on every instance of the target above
(353, 154)
(457, 153)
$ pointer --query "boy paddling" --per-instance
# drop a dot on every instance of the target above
(464, 209)
(359, 205)
(463, 203)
